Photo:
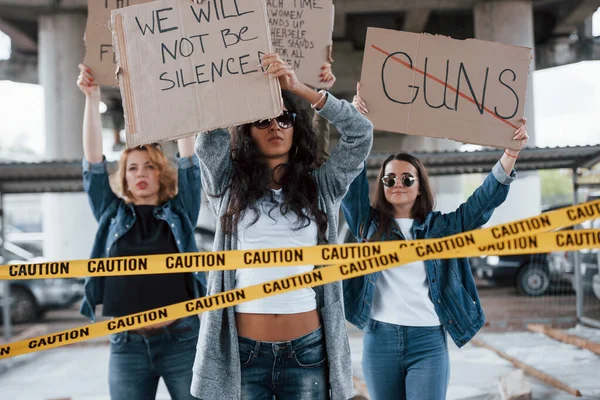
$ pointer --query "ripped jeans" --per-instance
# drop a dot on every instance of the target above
(292, 370)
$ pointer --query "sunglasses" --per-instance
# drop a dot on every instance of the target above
(406, 179)
(285, 121)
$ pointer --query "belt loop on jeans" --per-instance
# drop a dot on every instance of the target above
(373, 324)
(290, 349)
(256, 350)
(167, 332)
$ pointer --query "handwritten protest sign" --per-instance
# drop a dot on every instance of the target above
(301, 32)
(189, 67)
(99, 55)
(470, 91)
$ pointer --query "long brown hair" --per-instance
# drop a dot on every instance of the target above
(251, 176)
(385, 211)
(167, 176)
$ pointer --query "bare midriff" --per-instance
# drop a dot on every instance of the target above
(276, 327)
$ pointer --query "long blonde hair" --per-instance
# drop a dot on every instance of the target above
(167, 176)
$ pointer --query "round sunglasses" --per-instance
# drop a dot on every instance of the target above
(406, 179)
(285, 121)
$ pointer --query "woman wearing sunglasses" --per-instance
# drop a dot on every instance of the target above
(155, 212)
(264, 187)
(406, 311)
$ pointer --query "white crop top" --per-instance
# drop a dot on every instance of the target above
(402, 293)
(274, 231)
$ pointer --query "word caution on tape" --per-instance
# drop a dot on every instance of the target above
(316, 255)
(526, 236)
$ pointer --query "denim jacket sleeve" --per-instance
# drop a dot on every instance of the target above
(352, 150)
(188, 186)
(478, 208)
(356, 204)
(97, 187)
(214, 153)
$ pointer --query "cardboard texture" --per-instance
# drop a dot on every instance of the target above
(301, 32)
(471, 91)
(99, 55)
(187, 68)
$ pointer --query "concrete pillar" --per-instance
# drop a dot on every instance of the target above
(511, 22)
(69, 227)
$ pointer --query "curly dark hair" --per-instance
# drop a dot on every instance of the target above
(251, 176)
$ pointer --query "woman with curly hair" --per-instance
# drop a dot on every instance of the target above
(266, 190)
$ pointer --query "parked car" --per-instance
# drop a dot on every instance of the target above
(595, 224)
(30, 299)
(531, 274)
(537, 274)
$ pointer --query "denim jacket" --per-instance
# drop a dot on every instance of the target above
(451, 285)
(115, 218)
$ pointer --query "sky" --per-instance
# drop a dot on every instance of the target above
(567, 104)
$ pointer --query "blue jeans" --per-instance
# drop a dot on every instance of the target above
(405, 362)
(293, 370)
(138, 362)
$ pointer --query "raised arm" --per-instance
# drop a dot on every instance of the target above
(92, 124)
(478, 208)
(188, 178)
(213, 149)
(347, 158)
(356, 205)
(186, 146)
(95, 174)
(355, 144)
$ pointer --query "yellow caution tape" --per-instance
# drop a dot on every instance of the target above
(506, 239)
(538, 243)
(315, 255)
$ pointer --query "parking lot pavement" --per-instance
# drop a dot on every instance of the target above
(475, 371)
(80, 372)
(73, 372)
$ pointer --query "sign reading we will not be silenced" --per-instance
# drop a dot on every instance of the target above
(301, 33)
(471, 91)
(187, 67)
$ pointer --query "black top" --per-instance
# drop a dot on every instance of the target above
(124, 295)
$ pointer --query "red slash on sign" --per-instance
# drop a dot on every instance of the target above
(407, 65)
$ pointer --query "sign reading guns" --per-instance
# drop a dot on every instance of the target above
(470, 91)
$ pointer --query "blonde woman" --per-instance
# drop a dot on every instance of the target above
(155, 213)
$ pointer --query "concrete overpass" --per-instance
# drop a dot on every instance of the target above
(562, 31)
(47, 39)
(47, 45)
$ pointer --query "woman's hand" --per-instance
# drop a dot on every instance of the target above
(509, 157)
(358, 102)
(327, 76)
(273, 65)
(86, 84)
(521, 136)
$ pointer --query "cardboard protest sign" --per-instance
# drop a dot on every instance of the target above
(470, 91)
(99, 55)
(301, 32)
(186, 67)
